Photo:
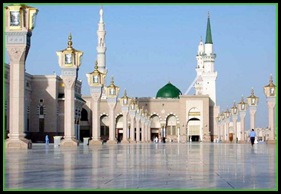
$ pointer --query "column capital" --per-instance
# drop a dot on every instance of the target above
(69, 82)
(17, 53)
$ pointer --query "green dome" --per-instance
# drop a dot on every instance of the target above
(168, 91)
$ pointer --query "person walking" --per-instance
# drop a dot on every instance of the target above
(252, 136)
(47, 139)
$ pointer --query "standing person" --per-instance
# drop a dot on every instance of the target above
(47, 139)
(252, 136)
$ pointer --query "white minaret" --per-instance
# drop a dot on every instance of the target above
(206, 67)
(101, 48)
(199, 68)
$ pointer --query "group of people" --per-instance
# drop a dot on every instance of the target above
(252, 136)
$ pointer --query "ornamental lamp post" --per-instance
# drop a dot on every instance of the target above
(234, 113)
(270, 93)
(69, 61)
(227, 120)
(138, 117)
(242, 107)
(219, 128)
(125, 103)
(19, 23)
(222, 121)
(96, 81)
(112, 92)
(132, 113)
(252, 102)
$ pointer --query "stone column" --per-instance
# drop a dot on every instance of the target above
(96, 92)
(125, 124)
(132, 128)
(148, 130)
(242, 121)
(142, 129)
(271, 119)
(227, 120)
(137, 127)
(17, 55)
(112, 104)
(219, 128)
(234, 118)
(252, 110)
(69, 109)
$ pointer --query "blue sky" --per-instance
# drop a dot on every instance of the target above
(149, 45)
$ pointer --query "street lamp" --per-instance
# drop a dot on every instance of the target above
(242, 107)
(19, 23)
(69, 61)
(270, 93)
(219, 127)
(222, 121)
(132, 113)
(112, 91)
(227, 120)
(252, 102)
(125, 102)
(96, 83)
(234, 113)
(138, 116)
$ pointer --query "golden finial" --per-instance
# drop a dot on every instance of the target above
(69, 41)
(252, 92)
(271, 79)
(96, 65)
(125, 92)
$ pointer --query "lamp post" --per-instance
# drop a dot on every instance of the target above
(20, 21)
(219, 128)
(69, 62)
(234, 113)
(227, 120)
(142, 119)
(269, 91)
(96, 83)
(138, 116)
(147, 126)
(125, 102)
(112, 92)
(148, 122)
(242, 107)
(252, 103)
(132, 113)
(222, 121)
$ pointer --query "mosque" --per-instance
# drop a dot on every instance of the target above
(51, 108)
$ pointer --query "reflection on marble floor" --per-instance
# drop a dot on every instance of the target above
(143, 166)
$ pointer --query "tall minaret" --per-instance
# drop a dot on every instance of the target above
(199, 68)
(208, 74)
(101, 48)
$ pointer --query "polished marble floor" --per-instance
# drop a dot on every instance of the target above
(143, 166)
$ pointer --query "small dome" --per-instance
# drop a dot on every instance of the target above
(168, 91)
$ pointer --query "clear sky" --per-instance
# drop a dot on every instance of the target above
(149, 45)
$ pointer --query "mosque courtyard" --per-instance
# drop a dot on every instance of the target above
(143, 166)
